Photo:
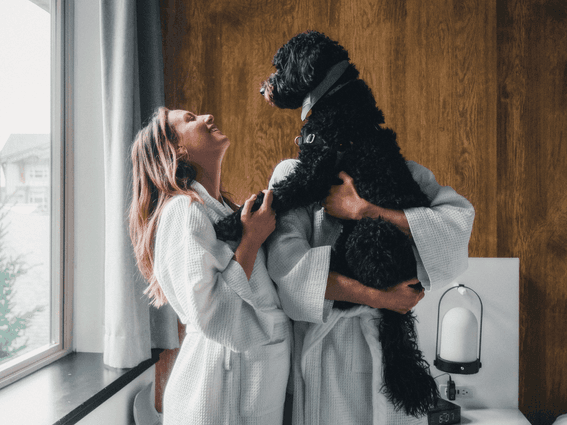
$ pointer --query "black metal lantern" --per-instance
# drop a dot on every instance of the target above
(458, 345)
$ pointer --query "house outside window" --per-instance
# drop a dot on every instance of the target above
(25, 161)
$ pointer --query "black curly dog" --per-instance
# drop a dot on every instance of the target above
(344, 133)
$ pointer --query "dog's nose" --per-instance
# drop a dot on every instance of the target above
(262, 90)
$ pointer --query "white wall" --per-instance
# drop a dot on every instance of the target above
(12, 175)
(89, 183)
(496, 280)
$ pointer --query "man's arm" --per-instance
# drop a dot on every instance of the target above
(345, 203)
(440, 232)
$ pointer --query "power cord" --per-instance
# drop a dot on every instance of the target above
(451, 387)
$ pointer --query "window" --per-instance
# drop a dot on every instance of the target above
(41, 174)
(35, 185)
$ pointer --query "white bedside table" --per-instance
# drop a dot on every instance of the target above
(493, 417)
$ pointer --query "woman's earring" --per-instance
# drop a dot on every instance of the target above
(182, 153)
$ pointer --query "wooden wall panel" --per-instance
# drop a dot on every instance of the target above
(532, 195)
(474, 89)
(431, 66)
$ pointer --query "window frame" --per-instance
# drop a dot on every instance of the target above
(62, 246)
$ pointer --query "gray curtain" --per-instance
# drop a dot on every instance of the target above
(132, 85)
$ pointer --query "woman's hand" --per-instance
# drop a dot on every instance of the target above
(256, 227)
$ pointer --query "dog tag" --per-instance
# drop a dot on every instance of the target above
(310, 138)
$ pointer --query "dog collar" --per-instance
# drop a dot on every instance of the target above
(332, 77)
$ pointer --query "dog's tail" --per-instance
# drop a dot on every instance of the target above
(407, 381)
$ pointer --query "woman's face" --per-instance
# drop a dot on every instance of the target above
(199, 135)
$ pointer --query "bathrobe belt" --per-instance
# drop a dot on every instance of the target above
(280, 320)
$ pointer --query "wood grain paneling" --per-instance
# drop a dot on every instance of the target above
(532, 195)
(476, 91)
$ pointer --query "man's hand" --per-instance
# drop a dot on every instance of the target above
(402, 297)
(343, 200)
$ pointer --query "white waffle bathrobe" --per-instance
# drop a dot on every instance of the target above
(336, 365)
(233, 366)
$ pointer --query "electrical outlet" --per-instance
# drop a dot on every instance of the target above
(461, 392)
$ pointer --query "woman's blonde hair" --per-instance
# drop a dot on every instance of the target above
(161, 170)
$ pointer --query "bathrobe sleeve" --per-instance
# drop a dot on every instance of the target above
(299, 270)
(208, 289)
(441, 233)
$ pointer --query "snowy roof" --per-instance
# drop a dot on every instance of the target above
(18, 147)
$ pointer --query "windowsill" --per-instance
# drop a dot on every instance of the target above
(67, 390)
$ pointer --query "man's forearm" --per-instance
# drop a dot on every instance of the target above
(342, 288)
(396, 217)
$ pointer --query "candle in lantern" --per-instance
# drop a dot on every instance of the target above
(459, 336)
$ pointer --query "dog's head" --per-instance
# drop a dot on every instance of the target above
(301, 65)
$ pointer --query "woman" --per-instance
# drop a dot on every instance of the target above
(234, 363)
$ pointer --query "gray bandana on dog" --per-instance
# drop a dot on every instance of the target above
(332, 76)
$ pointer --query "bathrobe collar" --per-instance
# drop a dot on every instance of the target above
(221, 209)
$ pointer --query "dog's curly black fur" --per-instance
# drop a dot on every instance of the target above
(348, 136)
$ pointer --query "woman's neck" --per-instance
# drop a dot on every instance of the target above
(210, 179)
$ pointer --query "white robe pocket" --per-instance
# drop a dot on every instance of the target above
(263, 378)
(361, 360)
